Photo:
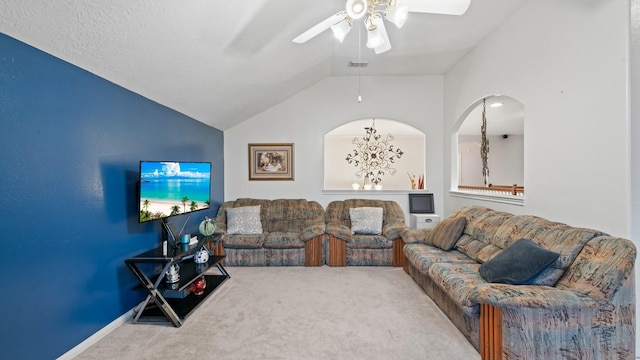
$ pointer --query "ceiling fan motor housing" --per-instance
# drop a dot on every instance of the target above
(357, 8)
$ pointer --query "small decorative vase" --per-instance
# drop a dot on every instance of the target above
(198, 286)
(208, 226)
(173, 274)
(367, 183)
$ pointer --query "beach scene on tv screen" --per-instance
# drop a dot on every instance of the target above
(173, 188)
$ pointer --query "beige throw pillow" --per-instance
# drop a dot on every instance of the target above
(366, 220)
(446, 233)
(244, 220)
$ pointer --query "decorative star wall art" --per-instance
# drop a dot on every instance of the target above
(374, 155)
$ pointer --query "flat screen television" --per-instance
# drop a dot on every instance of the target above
(169, 188)
(421, 204)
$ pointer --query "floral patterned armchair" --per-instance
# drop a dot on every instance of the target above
(348, 247)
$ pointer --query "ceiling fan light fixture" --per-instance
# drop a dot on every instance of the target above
(357, 8)
(374, 39)
(397, 15)
(341, 29)
(374, 34)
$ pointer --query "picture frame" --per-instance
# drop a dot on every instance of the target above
(271, 161)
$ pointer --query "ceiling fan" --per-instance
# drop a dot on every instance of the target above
(373, 12)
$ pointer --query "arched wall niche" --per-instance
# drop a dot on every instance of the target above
(505, 133)
(338, 144)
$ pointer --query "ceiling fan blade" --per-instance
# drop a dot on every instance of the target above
(444, 7)
(322, 26)
(386, 45)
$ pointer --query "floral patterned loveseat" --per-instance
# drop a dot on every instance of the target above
(580, 306)
(279, 232)
(349, 248)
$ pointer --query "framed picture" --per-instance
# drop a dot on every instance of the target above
(271, 161)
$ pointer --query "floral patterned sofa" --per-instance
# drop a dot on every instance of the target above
(271, 232)
(579, 306)
(349, 247)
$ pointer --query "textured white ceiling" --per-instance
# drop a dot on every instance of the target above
(221, 62)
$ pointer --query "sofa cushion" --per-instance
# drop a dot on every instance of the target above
(339, 231)
(423, 256)
(412, 235)
(476, 250)
(312, 231)
(484, 227)
(393, 231)
(446, 233)
(265, 208)
(568, 242)
(244, 220)
(481, 228)
(518, 264)
(366, 220)
(522, 226)
(345, 205)
(291, 215)
(601, 268)
(283, 240)
(243, 241)
(369, 242)
(458, 280)
(481, 252)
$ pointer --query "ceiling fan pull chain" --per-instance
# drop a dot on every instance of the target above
(359, 61)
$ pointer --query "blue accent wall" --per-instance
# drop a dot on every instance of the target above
(70, 146)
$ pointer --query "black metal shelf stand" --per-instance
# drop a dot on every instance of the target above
(173, 302)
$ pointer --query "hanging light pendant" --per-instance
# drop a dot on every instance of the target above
(397, 14)
(374, 35)
(341, 29)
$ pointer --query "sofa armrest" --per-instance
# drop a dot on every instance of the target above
(221, 229)
(312, 231)
(340, 231)
(393, 231)
(412, 235)
(532, 296)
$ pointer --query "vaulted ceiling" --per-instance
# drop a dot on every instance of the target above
(222, 62)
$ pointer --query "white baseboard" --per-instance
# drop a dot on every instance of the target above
(97, 336)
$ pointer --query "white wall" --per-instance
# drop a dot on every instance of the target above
(635, 142)
(567, 62)
(506, 160)
(306, 117)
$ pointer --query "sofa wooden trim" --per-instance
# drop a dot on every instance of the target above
(313, 251)
(490, 332)
(337, 251)
(399, 258)
(218, 251)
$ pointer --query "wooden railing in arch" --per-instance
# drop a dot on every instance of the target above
(514, 190)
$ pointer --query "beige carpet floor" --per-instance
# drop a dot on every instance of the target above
(300, 313)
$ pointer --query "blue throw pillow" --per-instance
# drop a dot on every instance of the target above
(518, 264)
